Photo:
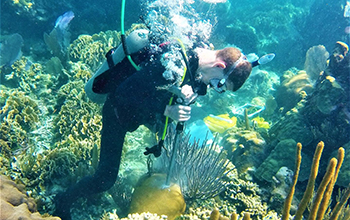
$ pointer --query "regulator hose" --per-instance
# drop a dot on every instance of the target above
(123, 38)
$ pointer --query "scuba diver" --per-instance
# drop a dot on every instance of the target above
(139, 95)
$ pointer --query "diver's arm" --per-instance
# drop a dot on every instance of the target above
(135, 41)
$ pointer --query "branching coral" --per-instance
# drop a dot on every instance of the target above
(59, 167)
(245, 197)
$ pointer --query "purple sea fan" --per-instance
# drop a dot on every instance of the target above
(59, 38)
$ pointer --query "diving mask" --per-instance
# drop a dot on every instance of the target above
(219, 85)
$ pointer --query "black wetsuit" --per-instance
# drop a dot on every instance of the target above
(130, 103)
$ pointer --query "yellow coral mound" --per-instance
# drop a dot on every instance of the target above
(151, 196)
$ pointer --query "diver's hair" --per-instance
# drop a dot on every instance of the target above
(229, 55)
(241, 72)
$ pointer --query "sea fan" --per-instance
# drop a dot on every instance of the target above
(199, 169)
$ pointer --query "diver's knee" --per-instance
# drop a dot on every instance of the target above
(106, 179)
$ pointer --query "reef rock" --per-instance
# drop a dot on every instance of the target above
(292, 126)
(245, 148)
(15, 204)
(282, 156)
(327, 109)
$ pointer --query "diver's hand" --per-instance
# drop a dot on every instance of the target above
(178, 112)
(187, 94)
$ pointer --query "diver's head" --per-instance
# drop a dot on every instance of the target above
(237, 67)
(225, 69)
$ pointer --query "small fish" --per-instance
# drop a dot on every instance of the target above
(10, 49)
(347, 10)
(63, 20)
(266, 58)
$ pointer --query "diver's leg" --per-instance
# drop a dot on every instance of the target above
(112, 140)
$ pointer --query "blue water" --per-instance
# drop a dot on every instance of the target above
(49, 127)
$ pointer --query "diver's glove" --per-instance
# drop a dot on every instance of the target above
(156, 150)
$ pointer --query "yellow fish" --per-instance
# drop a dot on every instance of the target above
(220, 123)
(261, 123)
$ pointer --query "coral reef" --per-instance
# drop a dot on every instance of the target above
(79, 125)
(135, 216)
(29, 77)
(327, 109)
(20, 116)
(293, 126)
(244, 147)
(244, 196)
(15, 204)
(294, 86)
(281, 156)
(91, 50)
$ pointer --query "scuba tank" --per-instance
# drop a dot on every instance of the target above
(135, 41)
